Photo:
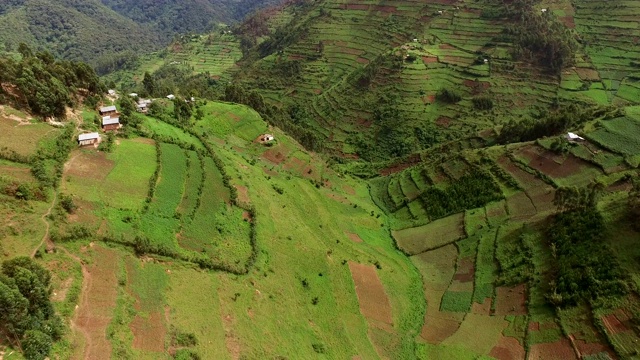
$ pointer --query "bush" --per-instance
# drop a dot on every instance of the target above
(482, 103)
(448, 96)
(36, 345)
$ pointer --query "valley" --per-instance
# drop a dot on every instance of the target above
(336, 180)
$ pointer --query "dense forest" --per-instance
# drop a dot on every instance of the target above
(110, 34)
(45, 86)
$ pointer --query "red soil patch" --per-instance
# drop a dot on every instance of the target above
(511, 301)
(465, 271)
(429, 59)
(317, 91)
(613, 324)
(620, 186)
(355, 7)
(444, 121)
(91, 165)
(374, 303)
(296, 165)
(243, 194)
(534, 326)
(560, 350)
(246, 216)
(350, 51)
(588, 74)
(477, 87)
(362, 60)
(508, 348)
(552, 164)
(274, 155)
(215, 77)
(482, 309)
(446, 47)
(83, 213)
(295, 57)
(440, 326)
(349, 189)
(231, 341)
(149, 334)
(97, 301)
(585, 348)
(399, 167)
(354, 237)
(364, 122)
(384, 9)
(568, 21)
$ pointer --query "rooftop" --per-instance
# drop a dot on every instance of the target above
(89, 136)
(108, 108)
(110, 120)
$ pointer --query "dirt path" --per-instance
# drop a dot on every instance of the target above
(97, 301)
(45, 237)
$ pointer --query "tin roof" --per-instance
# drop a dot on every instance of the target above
(89, 136)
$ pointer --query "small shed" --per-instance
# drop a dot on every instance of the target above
(133, 95)
(88, 139)
(265, 138)
(171, 96)
(111, 123)
(108, 110)
(573, 137)
(142, 107)
(111, 92)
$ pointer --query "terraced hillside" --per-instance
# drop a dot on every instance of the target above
(349, 62)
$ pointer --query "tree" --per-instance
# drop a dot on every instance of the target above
(149, 84)
(182, 110)
(36, 345)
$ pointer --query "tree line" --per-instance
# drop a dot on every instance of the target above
(44, 86)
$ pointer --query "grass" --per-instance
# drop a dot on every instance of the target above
(456, 301)
(24, 139)
(127, 182)
(225, 119)
(430, 236)
(158, 127)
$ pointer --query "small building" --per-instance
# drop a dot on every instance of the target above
(88, 139)
(142, 107)
(133, 95)
(111, 92)
(111, 123)
(108, 110)
(265, 138)
(573, 137)
(171, 96)
(544, 10)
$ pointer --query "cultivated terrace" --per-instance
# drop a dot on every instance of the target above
(329, 179)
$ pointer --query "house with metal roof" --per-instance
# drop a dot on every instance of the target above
(111, 123)
(88, 139)
(108, 110)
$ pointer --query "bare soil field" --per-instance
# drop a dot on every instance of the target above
(354, 237)
(243, 194)
(97, 302)
(559, 350)
(149, 334)
(89, 164)
(374, 303)
(508, 348)
(511, 301)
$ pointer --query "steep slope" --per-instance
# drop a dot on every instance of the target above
(368, 73)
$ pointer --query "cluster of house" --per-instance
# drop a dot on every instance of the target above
(110, 122)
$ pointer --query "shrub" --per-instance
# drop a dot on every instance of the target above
(448, 96)
(482, 103)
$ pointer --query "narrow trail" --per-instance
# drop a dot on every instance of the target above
(45, 237)
(87, 280)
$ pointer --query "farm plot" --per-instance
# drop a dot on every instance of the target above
(433, 235)
(374, 304)
(619, 135)
(437, 268)
(563, 169)
(224, 120)
(23, 138)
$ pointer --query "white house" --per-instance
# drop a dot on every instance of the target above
(88, 139)
(111, 92)
(573, 137)
(133, 95)
(171, 96)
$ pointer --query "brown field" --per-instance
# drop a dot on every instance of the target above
(551, 164)
(511, 301)
(354, 237)
(465, 271)
(374, 303)
(19, 172)
(89, 164)
(243, 194)
(613, 324)
(559, 350)
(585, 348)
(482, 309)
(588, 74)
(97, 301)
(149, 334)
(276, 154)
(437, 268)
(520, 206)
(508, 348)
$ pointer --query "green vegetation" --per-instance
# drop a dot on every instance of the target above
(28, 319)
